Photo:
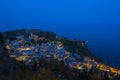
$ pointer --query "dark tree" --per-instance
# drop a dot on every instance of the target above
(5, 61)
(106, 76)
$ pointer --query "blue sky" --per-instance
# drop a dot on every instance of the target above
(60, 11)
(95, 20)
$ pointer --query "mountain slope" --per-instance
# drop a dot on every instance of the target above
(73, 46)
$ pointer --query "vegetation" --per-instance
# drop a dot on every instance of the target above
(73, 46)
(47, 70)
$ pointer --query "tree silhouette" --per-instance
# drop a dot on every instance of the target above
(5, 61)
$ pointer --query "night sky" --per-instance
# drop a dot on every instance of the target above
(95, 20)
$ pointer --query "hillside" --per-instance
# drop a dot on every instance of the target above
(73, 46)
(32, 54)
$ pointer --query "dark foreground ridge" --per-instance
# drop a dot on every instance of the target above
(32, 54)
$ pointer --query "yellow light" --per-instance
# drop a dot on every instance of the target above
(55, 56)
(22, 58)
(79, 67)
(8, 47)
(21, 49)
(65, 57)
(28, 49)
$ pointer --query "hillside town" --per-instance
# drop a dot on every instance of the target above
(23, 49)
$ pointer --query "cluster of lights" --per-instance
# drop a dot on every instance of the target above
(108, 69)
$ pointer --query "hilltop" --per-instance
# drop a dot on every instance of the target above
(73, 46)
(42, 55)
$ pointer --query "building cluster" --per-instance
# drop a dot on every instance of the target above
(23, 49)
